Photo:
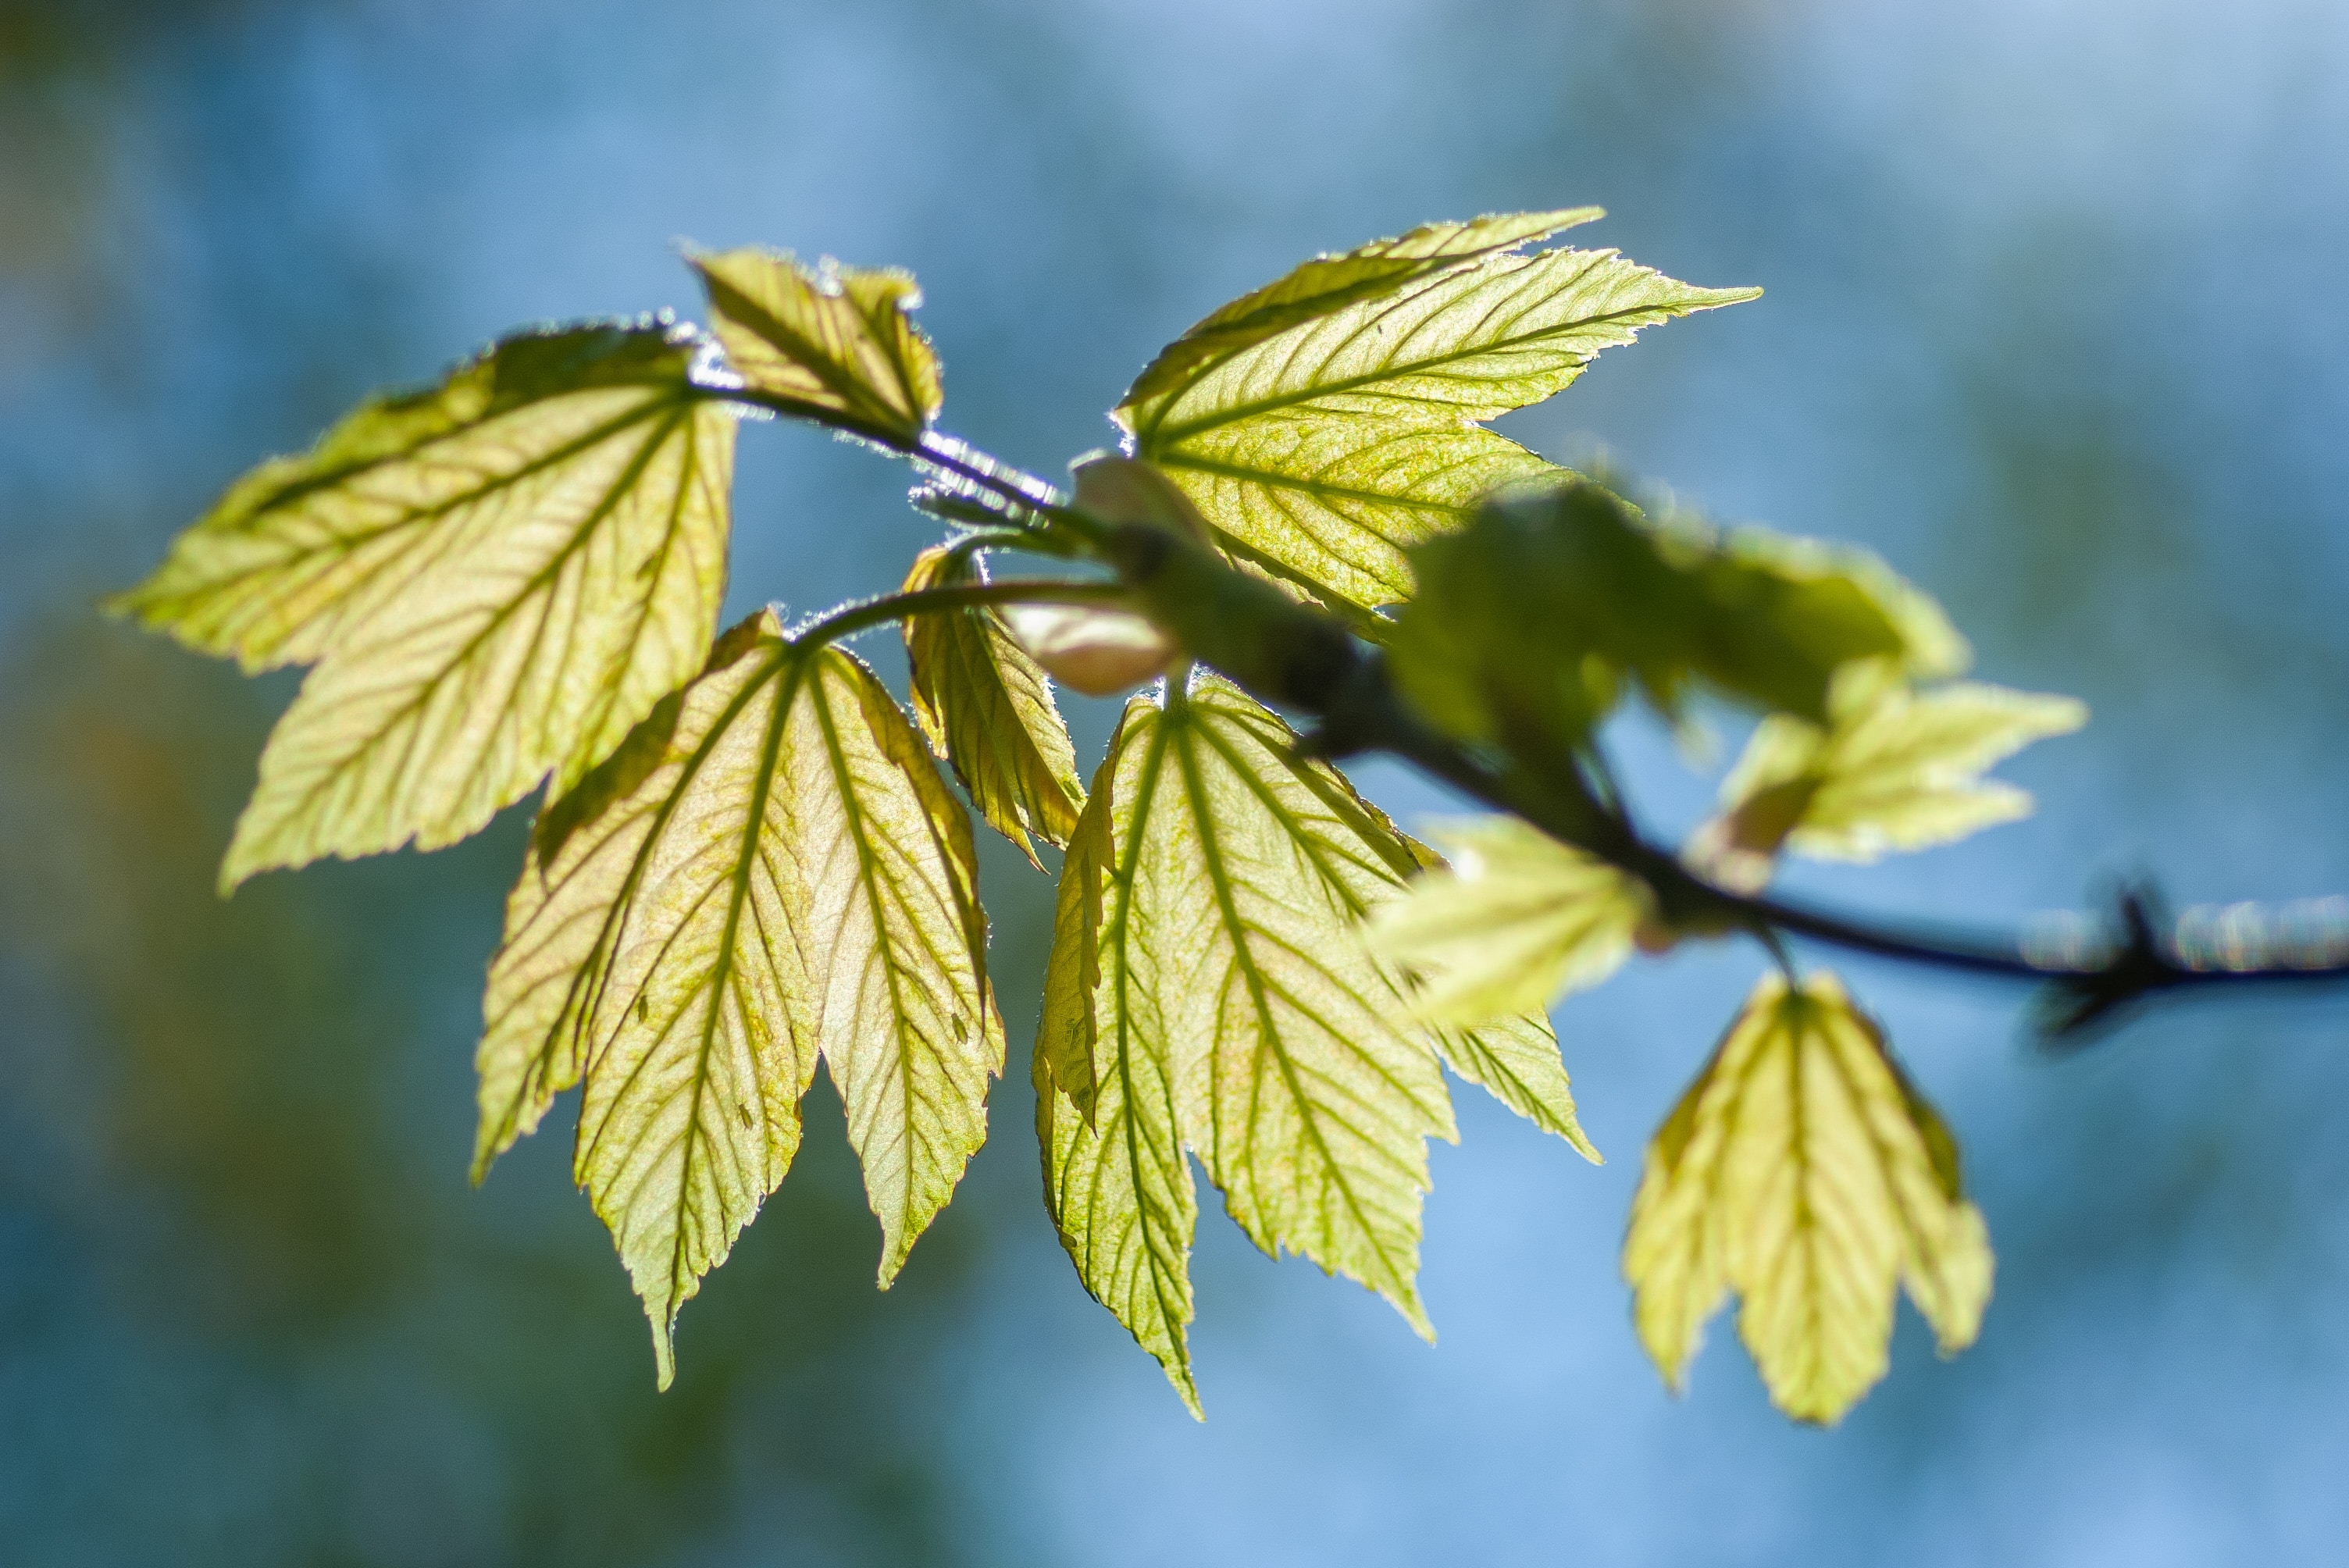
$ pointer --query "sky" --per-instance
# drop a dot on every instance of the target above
(2054, 319)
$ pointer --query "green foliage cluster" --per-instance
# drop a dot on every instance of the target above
(748, 861)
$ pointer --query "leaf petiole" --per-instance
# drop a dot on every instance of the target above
(864, 614)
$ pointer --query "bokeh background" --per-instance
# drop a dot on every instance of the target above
(2057, 321)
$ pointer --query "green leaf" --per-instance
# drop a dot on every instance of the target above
(1118, 1187)
(987, 707)
(1331, 281)
(1530, 622)
(1804, 1172)
(500, 576)
(1206, 982)
(783, 877)
(1330, 421)
(834, 343)
(1893, 768)
(1516, 1060)
(1517, 920)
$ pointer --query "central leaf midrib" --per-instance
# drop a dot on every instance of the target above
(341, 546)
(721, 971)
(883, 947)
(425, 689)
(623, 905)
(1195, 792)
(797, 348)
(576, 1016)
(1273, 478)
(1163, 434)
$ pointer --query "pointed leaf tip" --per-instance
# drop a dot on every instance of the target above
(836, 344)
(1891, 769)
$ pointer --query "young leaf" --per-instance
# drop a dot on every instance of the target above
(1330, 282)
(987, 707)
(1804, 1172)
(1893, 768)
(1530, 622)
(835, 343)
(502, 575)
(783, 876)
(1130, 1041)
(1516, 1060)
(1515, 921)
(1511, 1054)
(1118, 1187)
(1204, 971)
(1331, 422)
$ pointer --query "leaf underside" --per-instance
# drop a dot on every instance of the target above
(1517, 920)
(1206, 993)
(1893, 768)
(496, 578)
(834, 343)
(987, 707)
(786, 878)
(1801, 1171)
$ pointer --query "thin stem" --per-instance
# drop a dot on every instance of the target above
(1023, 493)
(970, 544)
(1361, 712)
(864, 614)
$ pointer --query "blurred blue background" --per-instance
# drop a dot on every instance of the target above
(2055, 320)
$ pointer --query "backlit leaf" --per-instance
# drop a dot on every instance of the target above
(836, 342)
(1331, 282)
(987, 707)
(1119, 1190)
(1207, 991)
(1516, 1060)
(1531, 621)
(1330, 421)
(1515, 921)
(500, 575)
(1801, 1171)
(1893, 768)
(785, 877)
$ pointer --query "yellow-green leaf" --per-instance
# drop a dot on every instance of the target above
(1892, 768)
(1801, 1171)
(1204, 947)
(1517, 920)
(1331, 422)
(772, 872)
(304, 551)
(1329, 281)
(1118, 1187)
(500, 575)
(834, 343)
(1516, 1060)
(987, 707)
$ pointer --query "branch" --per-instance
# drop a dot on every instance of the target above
(1294, 656)
(1302, 658)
